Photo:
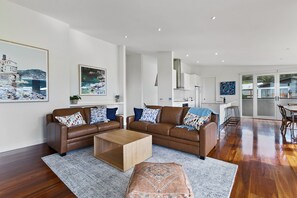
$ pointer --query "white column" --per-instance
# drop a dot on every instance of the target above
(165, 81)
(122, 78)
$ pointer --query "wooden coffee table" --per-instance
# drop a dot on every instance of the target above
(123, 148)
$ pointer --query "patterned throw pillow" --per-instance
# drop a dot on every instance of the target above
(71, 120)
(149, 115)
(194, 120)
(98, 114)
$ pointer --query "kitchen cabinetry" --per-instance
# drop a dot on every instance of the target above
(186, 81)
(174, 82)
(189, 81)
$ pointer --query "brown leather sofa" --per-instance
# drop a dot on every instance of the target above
(165, 132)
(64, 139)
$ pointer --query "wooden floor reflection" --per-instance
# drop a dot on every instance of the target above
(267, 160)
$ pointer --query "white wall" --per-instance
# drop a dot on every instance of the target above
(141, 71)
(23, 124)
(185, 68)
(133, 82)
(94, 52)
(165, 78)
(149, 73)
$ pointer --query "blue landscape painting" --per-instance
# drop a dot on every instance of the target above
(227, 88)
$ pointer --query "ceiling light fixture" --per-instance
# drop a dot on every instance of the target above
(216, 53)
(187, 55)
(126, 37)
(197, 61)
(159, 29)
(223, 61)
(213, 18)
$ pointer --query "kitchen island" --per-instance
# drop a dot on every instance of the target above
(219, 107)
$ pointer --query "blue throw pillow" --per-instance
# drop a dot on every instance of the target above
(111, 113)
(138, 113)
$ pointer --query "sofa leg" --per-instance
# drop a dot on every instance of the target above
(62, 154)
(202, 157)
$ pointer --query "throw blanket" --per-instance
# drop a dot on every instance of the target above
(195, 118)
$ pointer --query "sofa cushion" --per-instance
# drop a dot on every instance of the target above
(137, 113)
(185, 111)
(68, 111)
(82, 130)
(111, 113)
(171, 115)
(149, 115)
(104, 126)
(71, 120)
(195, 120)
(183, 133)
(98, 114)
(160, 128)
(155, 107)
(139, 125)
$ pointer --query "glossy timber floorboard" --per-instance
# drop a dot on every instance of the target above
(267, 164)
(267, 161)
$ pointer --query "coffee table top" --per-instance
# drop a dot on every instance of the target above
(122, 136)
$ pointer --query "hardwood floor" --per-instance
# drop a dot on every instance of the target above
(267, 164)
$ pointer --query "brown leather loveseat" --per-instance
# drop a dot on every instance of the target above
(165, 132)
(63, 139)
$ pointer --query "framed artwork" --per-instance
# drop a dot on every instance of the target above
(92, 81)
(227, 88)
(23, 73)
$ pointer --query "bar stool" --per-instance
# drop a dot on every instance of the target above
(232, 115)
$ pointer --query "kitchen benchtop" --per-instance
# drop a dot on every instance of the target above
(183, 101)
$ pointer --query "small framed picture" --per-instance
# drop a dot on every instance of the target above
(227, 88)
(92, 81)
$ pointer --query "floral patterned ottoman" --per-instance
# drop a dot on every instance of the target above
(154, 180)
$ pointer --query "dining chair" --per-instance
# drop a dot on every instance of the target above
(286, 120)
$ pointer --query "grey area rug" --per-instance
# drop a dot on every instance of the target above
(89, 177)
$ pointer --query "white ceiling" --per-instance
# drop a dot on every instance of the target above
(245, 32)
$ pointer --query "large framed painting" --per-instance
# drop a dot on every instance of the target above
(23, 73)
(227, 88)
(92, 80)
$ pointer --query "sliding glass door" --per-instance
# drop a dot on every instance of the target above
(260, 94)
(247, 90)
(265, 103)
(287, 89)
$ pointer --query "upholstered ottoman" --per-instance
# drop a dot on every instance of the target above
(152, 180)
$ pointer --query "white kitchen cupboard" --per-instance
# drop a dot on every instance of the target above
(186, 81)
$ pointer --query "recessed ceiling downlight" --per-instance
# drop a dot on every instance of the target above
(213, 18)
(187, 55)
(159, 29)
(126, 37)
(223, 61)
(216, 53)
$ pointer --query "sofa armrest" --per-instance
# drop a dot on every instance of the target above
(120, 119)
(207, 138)
(129, 120)
(49, 118)
(57, 136)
